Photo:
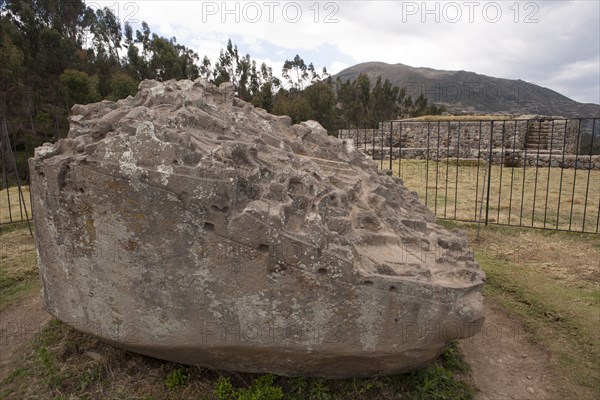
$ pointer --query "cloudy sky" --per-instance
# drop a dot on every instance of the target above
(555, 44)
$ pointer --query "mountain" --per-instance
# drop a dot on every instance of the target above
(468, 92)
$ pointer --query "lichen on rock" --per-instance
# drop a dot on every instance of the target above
(188, 225)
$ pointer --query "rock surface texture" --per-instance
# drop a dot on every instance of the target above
(188, 225)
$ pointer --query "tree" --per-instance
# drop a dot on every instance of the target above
(11, 69)
(150, 56)
(264, 97)
(292, 103)
(321, 98)
(298, 74)
(205, 69)
(122, 85)
(226, 66)
(79, 87)
(107, 34)
(170, 61)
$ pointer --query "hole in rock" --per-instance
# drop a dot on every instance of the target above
(392, 288)
(369, 283)
(209, 227)
(322, 271)
(263, 247)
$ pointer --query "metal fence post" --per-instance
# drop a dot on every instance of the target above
(489, 177)
(391, 142)
(515, 157)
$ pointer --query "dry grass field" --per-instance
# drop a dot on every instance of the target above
(553, 198)
(18, 209)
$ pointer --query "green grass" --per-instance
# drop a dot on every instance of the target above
(18, 270)
(58, 363)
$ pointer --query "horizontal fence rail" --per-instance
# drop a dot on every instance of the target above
(540, 173)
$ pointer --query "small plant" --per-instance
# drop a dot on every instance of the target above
(223, 389)
(175, 378)
(454, 360)
(262, 388)
(319, 390)
(88, 377)
(48, 361)
(435, 382)
(299, 387)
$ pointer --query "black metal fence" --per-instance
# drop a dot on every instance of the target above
(541, 173)
(15, 198)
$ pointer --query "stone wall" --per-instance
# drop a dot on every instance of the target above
(508, 158)
(540, 141)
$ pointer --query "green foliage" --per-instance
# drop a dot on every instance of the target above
(58, 53)
(121, 86)
(263, 388)
(453, 359)
(293, 103)
(299, 387)
(54, 54)
(11, 61)
(437, 381)
(299, 75)
(47, 360)
(319, 391)
(309, 389)
(48, 364)
(223, 389)
(264, 98)
(88, 377)
(79, 87)
(253, 84)
(106, 33)
(363, 104)
(321, 99)
(175, 378)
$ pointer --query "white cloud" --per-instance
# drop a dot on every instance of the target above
(555, 43)
(336, 67)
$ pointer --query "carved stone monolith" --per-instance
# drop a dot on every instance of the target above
(188, 225)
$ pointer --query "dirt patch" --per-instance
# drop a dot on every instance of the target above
(504, 364)
(19, 323)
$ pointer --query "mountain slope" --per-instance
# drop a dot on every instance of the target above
(462, 91)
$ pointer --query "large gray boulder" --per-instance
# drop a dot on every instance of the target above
(188, 225)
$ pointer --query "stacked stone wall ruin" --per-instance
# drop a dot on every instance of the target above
(533, 142)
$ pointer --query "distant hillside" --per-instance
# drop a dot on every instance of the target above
(468, 92)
